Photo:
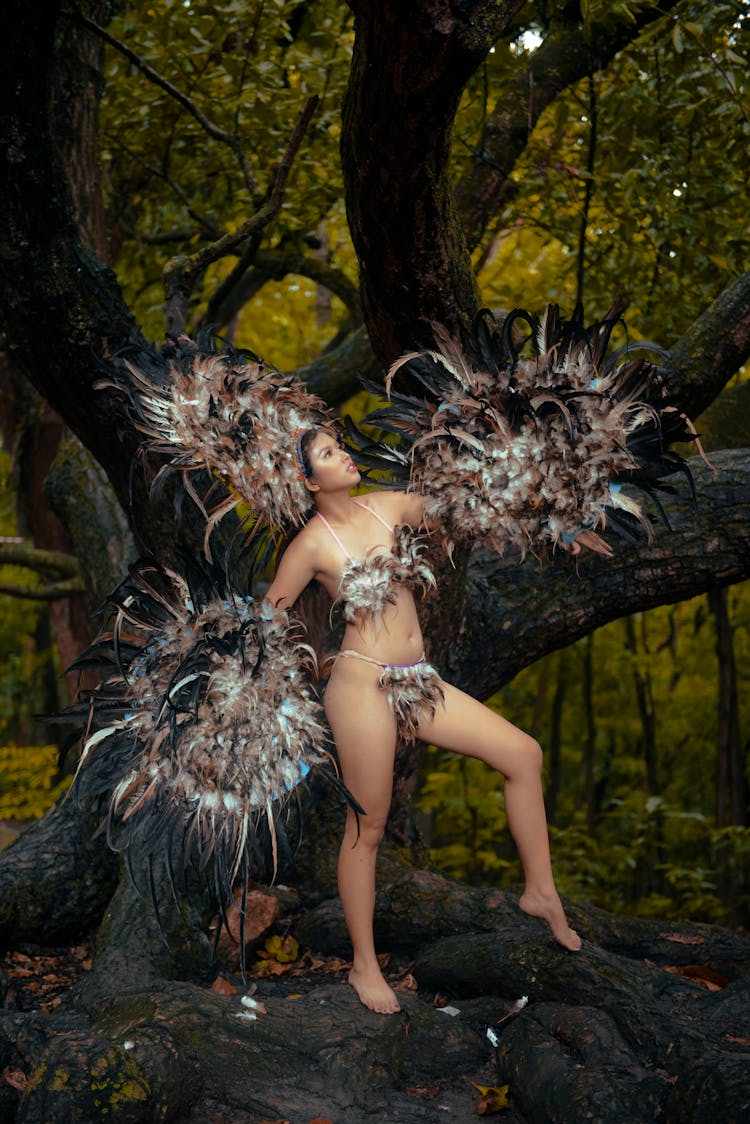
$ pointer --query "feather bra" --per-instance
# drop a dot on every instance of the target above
(369, 584)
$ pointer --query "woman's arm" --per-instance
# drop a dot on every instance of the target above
(295, 571)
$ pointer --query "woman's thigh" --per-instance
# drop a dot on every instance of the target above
(467, 726)
(364, 731)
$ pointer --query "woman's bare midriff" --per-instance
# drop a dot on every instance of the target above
(396, 638)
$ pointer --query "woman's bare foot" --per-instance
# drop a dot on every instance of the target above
(373, 991)
(549, 908)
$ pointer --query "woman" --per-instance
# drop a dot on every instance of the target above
(350, 538)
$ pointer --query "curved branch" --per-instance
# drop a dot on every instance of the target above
(64, 566)
(273, 265)
(55, 591)
(335, 375)
(713, 348)
(41, 561)
(708, 547)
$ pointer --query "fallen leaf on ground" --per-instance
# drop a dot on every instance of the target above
(16, 1078)
(677, 938)
(426, 1092)
(493, 1098)
(407, 984)
(283, 949)
(700, 973)
(220, 986)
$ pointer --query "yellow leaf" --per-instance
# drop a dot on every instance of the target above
(283, 949)
(494, 1098)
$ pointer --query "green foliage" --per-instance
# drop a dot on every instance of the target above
(652, 852)
(29, 781)
(666, 226)
(171, 188)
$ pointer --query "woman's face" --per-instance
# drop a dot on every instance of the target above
(332, 467)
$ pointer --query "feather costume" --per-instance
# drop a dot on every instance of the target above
(414, 694)
(525, 452)
(227, 414)
(368, 584)
(204, 722)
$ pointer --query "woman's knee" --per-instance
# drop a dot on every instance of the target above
(524, 760)
(367, 829)
(530, 754)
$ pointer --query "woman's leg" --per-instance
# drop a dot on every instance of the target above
(468, 727)
(365, 734)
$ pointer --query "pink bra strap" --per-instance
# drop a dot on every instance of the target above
(336, 539)
(372, 511)
(326, 524)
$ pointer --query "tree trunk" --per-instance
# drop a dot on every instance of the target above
(554, 749)
(589, 741)
(409, 68)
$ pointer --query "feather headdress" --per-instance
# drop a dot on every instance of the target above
(225, 413)
(523, 452)
(202, 726)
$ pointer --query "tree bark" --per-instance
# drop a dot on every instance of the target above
(607, 1033)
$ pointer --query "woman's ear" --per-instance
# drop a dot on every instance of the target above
(311, 485)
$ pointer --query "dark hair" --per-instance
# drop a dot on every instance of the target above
(304, 447)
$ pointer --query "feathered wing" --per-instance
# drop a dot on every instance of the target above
(225, 413)
(523, 452)
(203, 724)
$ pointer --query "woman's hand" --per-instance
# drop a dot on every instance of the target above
(592, 542)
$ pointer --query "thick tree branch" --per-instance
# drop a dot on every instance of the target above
(63, 566)
(46, 274)
(563, 59)
(273, 265)
(713, 348)
(508, 601)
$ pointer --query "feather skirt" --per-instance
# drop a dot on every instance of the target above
(414, 693)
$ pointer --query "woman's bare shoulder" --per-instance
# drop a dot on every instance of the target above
(398, 507)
